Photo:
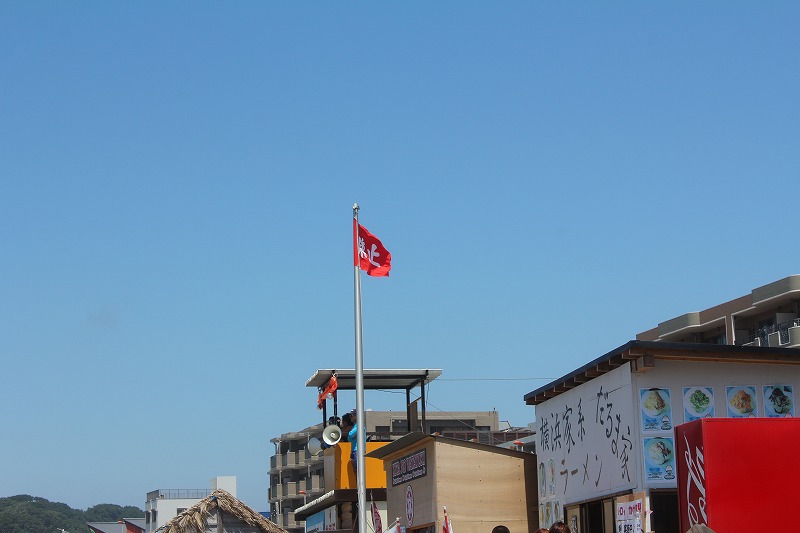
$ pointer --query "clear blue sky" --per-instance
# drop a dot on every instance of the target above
(176, 183)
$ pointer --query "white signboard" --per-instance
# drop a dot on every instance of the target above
(331, 523)
(629, 517)
(585, 442)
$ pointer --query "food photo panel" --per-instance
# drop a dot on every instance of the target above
(656, 409)
(698, 402)
(741, 401)
(778, 401)
(659, 459)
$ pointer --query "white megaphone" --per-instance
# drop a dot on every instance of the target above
(332, 434)
(314, 446)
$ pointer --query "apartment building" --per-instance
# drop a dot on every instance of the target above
(768, 316)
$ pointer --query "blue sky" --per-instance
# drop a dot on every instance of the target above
(176, 183)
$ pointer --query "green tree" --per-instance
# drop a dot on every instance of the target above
(109, 512)
(32, 514)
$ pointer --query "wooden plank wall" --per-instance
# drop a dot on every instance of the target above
(482, 489)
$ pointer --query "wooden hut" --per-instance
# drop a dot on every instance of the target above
(481, 486)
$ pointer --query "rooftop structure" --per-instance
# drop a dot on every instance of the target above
(381, 379)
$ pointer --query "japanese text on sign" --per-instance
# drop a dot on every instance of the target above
(585, 436)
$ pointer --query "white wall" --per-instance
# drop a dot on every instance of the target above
(226, 483)
(167, 509)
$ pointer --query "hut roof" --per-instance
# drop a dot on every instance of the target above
(195, 518)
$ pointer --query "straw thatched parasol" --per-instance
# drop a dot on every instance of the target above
(218, 504)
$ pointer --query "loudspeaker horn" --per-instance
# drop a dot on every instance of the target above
(332, 434)
(314, 446)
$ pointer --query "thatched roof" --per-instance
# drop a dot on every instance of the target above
(195, 518)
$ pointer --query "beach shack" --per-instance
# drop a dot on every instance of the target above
(480, 486)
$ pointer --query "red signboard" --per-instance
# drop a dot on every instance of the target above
(731, 471)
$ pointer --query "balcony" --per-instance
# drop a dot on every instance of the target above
(287, 489)
(786, 334)
(290, 459)
(314, 483)
(286, 520)
(287, 460)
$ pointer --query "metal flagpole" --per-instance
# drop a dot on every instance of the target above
(361, 433)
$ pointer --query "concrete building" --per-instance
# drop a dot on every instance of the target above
(163, 505)
(768, 316)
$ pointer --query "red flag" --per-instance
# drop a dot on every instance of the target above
(447, 526)
(376, 518)
(369, 253)
(330, 388)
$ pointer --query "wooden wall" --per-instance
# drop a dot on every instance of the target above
(480, 487)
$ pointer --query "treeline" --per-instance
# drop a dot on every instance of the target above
(32, 514)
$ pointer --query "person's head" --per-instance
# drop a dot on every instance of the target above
(500, 529)
(347, 420)
(560, 527)
(542, 530)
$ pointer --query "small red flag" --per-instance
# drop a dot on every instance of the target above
(447, 526)
(369, 253)
(376, 518)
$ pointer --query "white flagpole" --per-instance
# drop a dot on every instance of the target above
(361, 434)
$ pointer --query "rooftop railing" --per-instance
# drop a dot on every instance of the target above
(782, 329)
(178, 494)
